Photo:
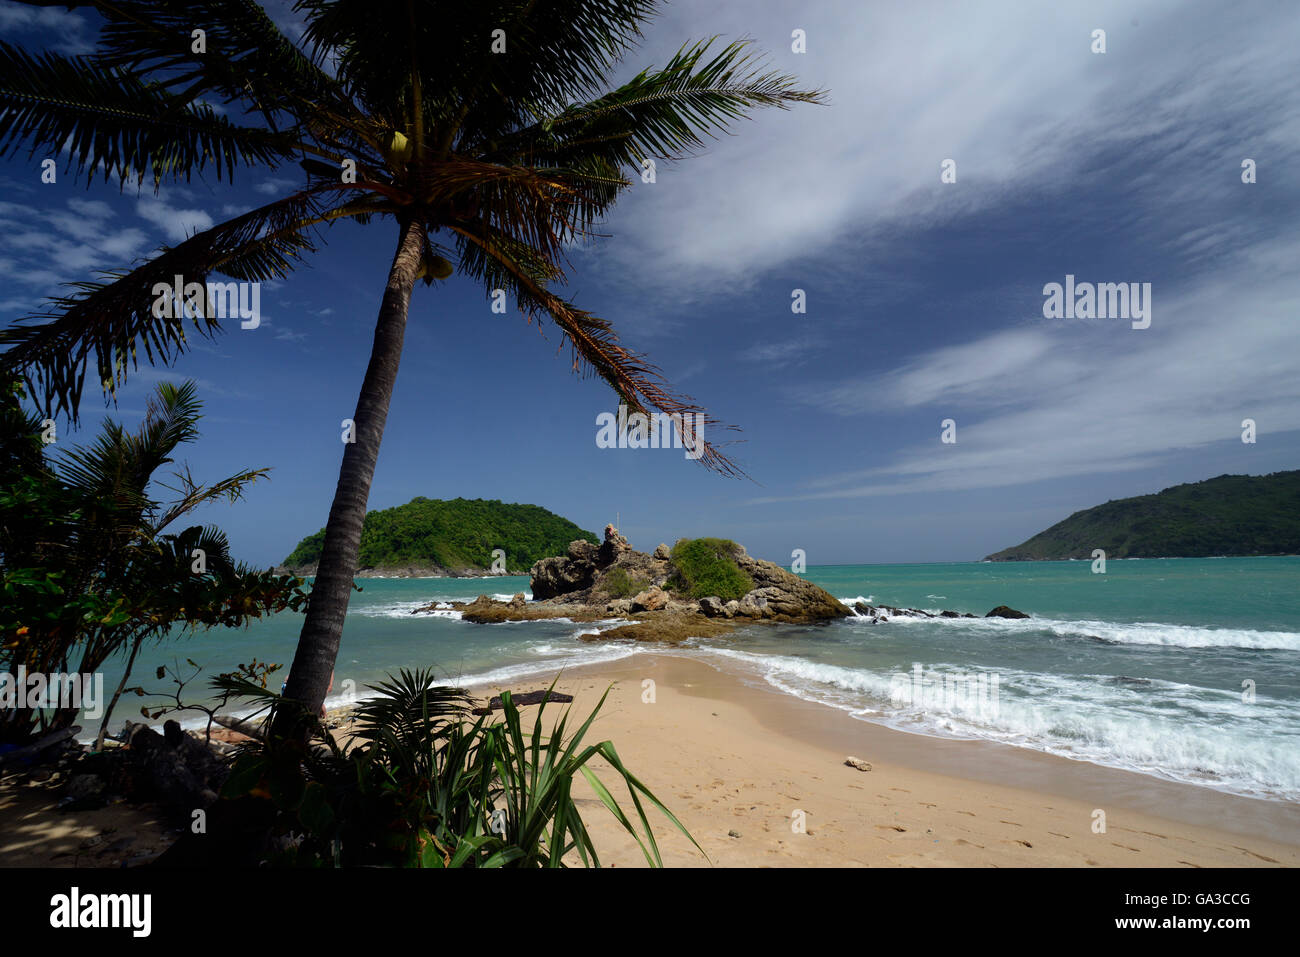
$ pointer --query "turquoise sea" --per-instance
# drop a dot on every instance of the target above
(1184, 668)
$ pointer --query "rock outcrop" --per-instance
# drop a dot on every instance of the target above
(884, 612)
(589, 574)
(175, 770)
(653, 598)
(1002, 611)
(780, 594)
(613, 580)
(563, 575)
(591, 582)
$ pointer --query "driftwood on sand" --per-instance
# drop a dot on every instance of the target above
(238, 724)
(527, 697)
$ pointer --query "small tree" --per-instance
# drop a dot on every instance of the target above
(88, 568)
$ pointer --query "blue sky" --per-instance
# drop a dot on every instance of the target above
(924, 298)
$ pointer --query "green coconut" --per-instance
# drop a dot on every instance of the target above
(434, 267)
(399, 147)
(440, 268)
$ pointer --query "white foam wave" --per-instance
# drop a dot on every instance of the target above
(1181, 732)
(568, 658)
(405, 610)
(1181, 636)
(1123, 633)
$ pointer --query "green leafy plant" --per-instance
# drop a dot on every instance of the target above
(90, 564)
(422, 783)
(706, 566)
(254, 670)
(619, 584)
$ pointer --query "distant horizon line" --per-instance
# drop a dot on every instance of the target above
(981, 561)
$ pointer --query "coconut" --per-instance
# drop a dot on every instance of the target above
(399, 147)
(440, 268)
(434, 267)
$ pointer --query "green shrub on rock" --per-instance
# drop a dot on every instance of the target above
(619, 584)
(706, 566)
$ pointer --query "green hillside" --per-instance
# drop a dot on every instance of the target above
(456, 535)
(1228, 515)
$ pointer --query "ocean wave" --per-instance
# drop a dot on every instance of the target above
(1123, 633)
(406, 610)
(1179, 636)
(1180, 732)
(567, 657)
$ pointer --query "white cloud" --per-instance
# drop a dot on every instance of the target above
(780, 354)
(274, 187)
(44, 248)
(177, 224)
(1064, 398)
(1010, 91)
(68, 28)
(91, 208)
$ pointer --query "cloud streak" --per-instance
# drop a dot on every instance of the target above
(1061, 398)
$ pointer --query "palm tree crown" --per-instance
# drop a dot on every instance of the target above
(486, 130)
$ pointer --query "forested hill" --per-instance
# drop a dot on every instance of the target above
(1228, 515)
(451, 537)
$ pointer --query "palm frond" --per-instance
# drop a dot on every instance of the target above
(247, 58)
(667, 113)
(118, 467)
(596, 347)
(113, 122)
(230, 489)
(378, 48)
(115, 317)
(408, 710)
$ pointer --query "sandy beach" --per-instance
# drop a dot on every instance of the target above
(736, 761)
(759, 778)
(38, 834)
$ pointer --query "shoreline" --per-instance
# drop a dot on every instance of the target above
(938, 749)
(539, 673)
(730, 756)
(736, 760)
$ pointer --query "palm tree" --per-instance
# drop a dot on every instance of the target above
(486, 131)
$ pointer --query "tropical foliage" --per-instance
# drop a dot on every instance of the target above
(618, 583)
(705, 567)
(486, 132)
(456, 534)
(423, 783)
(88, 566)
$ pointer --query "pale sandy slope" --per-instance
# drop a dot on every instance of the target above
(735, 761)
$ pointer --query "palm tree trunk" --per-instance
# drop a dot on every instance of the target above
(318, 644)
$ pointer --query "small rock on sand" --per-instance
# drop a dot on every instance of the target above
(858, 763)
